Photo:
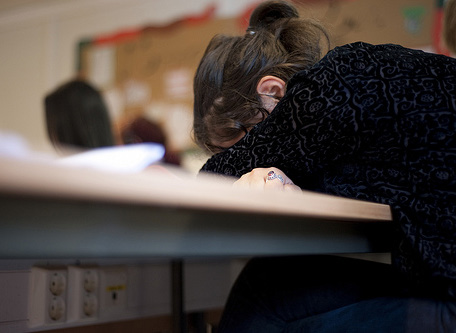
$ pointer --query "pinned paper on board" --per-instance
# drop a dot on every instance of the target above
(102, 66)
(413, 19)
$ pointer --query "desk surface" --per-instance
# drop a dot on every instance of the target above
(53, 211)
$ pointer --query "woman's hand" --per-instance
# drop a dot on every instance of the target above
(266, 179)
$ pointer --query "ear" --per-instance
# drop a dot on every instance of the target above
(272, 86)
(271, 89)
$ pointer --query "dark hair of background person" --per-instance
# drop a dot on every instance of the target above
(449, 25)
(142, 130)
(77, 117)
(277, 42)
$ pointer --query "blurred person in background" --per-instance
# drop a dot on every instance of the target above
(77, 117)
(142, 130)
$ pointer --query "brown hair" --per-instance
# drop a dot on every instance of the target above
(449, 25)
(278, 42)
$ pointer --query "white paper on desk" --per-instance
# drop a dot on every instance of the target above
(13, 145)
(128, 158)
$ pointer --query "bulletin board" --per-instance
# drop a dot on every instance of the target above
(149, 71)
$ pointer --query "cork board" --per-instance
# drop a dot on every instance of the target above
(149, 71)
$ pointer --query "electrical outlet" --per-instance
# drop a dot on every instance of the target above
(90, 305)
(47, 295)
(113, 291)
(56, 308)
(83, 293)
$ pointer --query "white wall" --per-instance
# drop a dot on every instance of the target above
(38, 42)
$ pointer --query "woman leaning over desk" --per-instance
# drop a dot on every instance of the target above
(371, 122)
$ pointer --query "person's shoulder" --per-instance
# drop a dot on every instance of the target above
(333, 61)
(360, 50)
(361, 58)
(389, 51)
(363, 50)
(364, 46)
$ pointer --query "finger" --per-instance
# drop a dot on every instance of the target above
(242, 182)
(251, 180)
(274, 179)
(256, 179)
(291, 188)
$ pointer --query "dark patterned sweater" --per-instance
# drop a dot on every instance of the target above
(377, 123)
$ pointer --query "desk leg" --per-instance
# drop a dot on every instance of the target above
(177, 290)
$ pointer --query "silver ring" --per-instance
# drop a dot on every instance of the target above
(272, 175)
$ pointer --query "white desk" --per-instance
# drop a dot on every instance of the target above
(51, 211)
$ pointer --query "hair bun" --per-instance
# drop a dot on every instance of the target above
(269, 12)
